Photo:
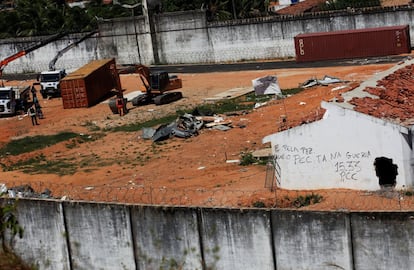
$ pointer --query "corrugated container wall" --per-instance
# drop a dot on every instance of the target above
(369, 42)
(89, 84)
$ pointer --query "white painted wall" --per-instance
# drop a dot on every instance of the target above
(339, 151)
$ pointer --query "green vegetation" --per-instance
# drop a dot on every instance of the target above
(40, 164)
(46, 17)
(292, 91)
(224, 107)
(247, 159)
(307, 200)
(29, 144)
(83, 138)
(8, 220)
(409, 193)
(139, 126)
(259, 204)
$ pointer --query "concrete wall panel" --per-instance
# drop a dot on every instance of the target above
(100, 236)
(239, 239)
(383, 241)
(44, 243)
(166, 238)
(311, 240)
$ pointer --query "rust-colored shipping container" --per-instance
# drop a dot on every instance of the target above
(369, 42)
(88, 85)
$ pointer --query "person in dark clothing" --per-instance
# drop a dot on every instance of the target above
(32, 113)
(120, 105)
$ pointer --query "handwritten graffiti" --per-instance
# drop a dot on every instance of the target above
(346, 164)
(348, 170)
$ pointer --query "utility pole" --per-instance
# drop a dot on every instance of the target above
(132, 7)
(149, 22)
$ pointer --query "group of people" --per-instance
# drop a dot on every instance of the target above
(35, 111)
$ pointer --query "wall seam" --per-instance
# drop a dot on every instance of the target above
(66, 235)
(200, 236)
(133, 234)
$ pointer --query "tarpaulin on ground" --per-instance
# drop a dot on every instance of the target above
(267, 85)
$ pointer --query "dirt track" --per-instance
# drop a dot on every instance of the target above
(183, 171)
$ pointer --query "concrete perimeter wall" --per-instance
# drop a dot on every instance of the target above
(79, 235)
(187, 37)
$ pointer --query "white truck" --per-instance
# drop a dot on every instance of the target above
(50, 82)
(13, 99)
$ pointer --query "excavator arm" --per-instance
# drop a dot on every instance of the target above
(64, 50)
(7, 60)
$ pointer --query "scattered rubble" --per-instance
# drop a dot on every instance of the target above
(325, 81)
(23, 191)
(267, 85)
(395, 97)
(186, 126)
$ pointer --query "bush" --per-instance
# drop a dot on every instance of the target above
(302, 201)
(247, 159)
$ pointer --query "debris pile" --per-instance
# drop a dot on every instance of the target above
(395, 97)
(325, 81)
(23, 191)
(186, 126)
(267, 85)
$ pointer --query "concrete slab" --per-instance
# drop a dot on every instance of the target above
(128, 96)
(262, 153)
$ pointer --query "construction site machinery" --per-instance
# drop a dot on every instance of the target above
(13, 99)
(7, 60)
(50, 80)
(156, 84)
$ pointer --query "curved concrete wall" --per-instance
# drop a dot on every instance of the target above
(79, 235)
(186, 37)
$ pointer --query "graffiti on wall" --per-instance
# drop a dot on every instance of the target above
(346, 164)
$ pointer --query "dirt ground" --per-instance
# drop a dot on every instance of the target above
(123, 167)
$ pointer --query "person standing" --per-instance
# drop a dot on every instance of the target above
(120, 105)
(32, 113)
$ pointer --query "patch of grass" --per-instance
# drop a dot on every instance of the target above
(40, 164)
(259, 204)
(261, 98)
(302, 201)
(292, 91)
(409, 193)
(222, 107)
(83, 139)
(139, 126)
(29, 144)
(65, 166)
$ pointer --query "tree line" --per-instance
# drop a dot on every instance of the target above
(44, 17)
